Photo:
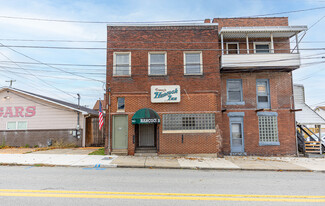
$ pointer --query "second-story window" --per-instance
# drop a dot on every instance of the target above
(157, 63)
(232, 48)
(263, 94)
(234, 91)
(261, 47)
(193, 63)
(122, 64)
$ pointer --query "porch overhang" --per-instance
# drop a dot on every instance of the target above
(261, 31)
(145, 116)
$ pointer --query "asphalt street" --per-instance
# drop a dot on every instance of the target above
(121, 186)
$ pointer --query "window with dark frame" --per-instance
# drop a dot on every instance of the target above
(262, 48)
(120, 104)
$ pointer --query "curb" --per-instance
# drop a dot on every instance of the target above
(163, 167)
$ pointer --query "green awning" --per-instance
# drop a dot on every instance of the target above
(145, 116)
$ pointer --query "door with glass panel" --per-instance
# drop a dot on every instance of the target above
(236, 137)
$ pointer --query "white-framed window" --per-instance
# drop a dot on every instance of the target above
(262, 47)
(188, 123)
(122, 64)
(17, 125)
(193, 63)
(157, 63)
(121, 104)
(232, 48)
(234, 91)
(268, 128)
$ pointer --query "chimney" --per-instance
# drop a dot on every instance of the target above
(207, 21)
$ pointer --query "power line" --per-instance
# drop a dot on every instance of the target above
(289, 12)
(142, 42)
(147, 22)
(51, 65)
(144, 49)
(39, 78)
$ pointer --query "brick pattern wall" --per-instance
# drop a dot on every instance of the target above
(172, 143)
(267, 21)
(199, 94)
(281, 101)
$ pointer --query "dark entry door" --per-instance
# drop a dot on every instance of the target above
(146, 135)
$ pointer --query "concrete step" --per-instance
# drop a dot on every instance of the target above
(120, 152)
(145, 154)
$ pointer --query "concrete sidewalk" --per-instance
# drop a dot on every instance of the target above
(226, 163)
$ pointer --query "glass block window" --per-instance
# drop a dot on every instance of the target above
(234, 90)
(193, 63)
(122, 64)
(268, 128)
(157, 64)
(189, 121)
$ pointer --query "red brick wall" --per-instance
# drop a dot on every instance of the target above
(198, 93)
(267, 21)
(172, 143)
(281, 100)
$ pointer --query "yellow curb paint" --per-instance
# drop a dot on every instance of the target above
(157, 197)
(158, 194)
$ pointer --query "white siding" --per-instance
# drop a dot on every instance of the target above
(48, 115)
(307, 115)
(260, 60)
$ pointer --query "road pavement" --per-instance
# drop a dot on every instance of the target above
(30, 185)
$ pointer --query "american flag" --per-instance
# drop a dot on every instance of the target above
(100, 111)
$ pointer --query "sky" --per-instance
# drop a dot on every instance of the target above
(62, 73)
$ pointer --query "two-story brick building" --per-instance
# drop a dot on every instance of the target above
(221, 87)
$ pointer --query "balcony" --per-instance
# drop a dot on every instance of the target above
(259, 48)
(272, 61)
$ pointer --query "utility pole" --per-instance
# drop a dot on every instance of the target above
(78, 123)
(11, 81)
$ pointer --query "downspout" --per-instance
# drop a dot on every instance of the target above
(78, 121)
(293, 107)
(109, 122)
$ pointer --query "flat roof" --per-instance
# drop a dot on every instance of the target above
(261, 31)
(163, 24)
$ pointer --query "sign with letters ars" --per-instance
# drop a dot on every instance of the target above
(165, 94)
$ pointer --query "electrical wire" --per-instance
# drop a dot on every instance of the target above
(131, 49)
(39, 78)
(50, 65)
(148, 22)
